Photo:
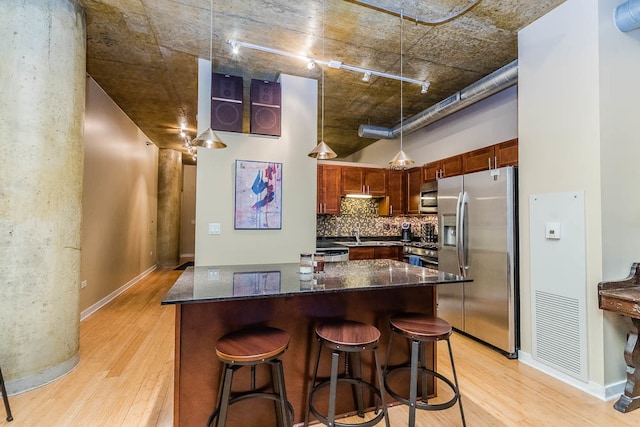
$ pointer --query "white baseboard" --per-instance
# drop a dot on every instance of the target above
(106, 300)
(605, 393)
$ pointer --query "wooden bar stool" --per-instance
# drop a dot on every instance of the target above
(5, 398)
(421, 329)
(350, 338)
(252, 347)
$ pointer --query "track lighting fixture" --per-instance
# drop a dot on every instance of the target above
(366, 77)
(330, 63)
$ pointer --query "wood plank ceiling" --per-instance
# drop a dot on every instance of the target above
(143, 53)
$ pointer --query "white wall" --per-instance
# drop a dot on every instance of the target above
(215, 181)
(620, 148)
(576, 134)
(487, 122)
(119, 199)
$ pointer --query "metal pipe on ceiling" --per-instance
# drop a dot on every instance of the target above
(495, 82)
(627, 16)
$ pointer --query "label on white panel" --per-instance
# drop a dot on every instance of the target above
(552, 230)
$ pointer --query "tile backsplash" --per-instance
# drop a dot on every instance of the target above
(362, 214)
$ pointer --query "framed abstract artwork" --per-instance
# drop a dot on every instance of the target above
(258, 195)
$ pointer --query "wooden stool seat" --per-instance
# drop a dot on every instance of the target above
(420, 326)
(249, 348)
(350, 338)
(252, 345)
(348, 333)
(421, 329)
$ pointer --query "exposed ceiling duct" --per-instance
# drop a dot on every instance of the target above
(495, 82)
(627, 16)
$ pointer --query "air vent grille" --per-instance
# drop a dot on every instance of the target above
(558, 332)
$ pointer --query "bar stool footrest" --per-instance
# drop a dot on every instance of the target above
(252, 395)
(420, 405)
(377, 393)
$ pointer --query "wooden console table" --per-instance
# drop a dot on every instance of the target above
(623, 297)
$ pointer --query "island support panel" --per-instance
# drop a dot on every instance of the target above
(200, 325)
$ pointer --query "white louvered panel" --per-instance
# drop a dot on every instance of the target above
(558, 282)
(558, 332)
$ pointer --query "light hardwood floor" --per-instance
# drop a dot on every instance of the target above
(125, 378)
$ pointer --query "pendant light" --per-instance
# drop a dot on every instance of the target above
(401, 160)
(322, 150)
(208, 138)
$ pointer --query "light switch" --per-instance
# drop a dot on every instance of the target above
(552, 230)
(214, 228)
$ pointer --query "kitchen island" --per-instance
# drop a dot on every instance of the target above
(214, 300)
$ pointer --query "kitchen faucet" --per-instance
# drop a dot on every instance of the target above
(356, 232)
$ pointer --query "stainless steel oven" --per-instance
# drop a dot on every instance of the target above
(429, 197)
(427, 252)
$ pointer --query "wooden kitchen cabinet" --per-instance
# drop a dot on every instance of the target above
(372, 252)
(451, 166)
(414, 182)
(352, 180)
(479, 160)
(507, 153)
(494, 156)
(375, 181)
(329, 179)
(432, 171)
(357, 180)
(394, 203)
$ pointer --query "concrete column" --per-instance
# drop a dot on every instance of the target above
(169, 186)
(42, 100)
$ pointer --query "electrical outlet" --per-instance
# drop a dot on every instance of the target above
(213, 274)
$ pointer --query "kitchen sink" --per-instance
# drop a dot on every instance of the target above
(368, 243)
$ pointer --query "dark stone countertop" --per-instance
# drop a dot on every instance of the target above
(237, 282)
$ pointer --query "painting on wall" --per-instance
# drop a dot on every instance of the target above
(258, 194)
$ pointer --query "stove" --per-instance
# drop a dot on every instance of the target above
(426, 251)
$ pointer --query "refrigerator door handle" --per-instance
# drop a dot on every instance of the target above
(464, 201)
(459, 233)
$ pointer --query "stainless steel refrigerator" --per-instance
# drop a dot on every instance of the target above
(478, 239)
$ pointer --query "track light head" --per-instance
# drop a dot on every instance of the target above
(366, 77)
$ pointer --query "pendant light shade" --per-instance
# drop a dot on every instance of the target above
(322, 150)
(208, 139)
(401, 160)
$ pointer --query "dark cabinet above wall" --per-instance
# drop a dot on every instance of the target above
(328, 187)
(494, 156)
(356, 180)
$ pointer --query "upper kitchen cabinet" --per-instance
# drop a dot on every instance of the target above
(352, 180)
(494, 156)
(432, 171)
(451, 166)
(507, 153)
(357, 180)
(479, 160)
(414, 182)
(375, 181)
(394, 203)
(329, 179)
